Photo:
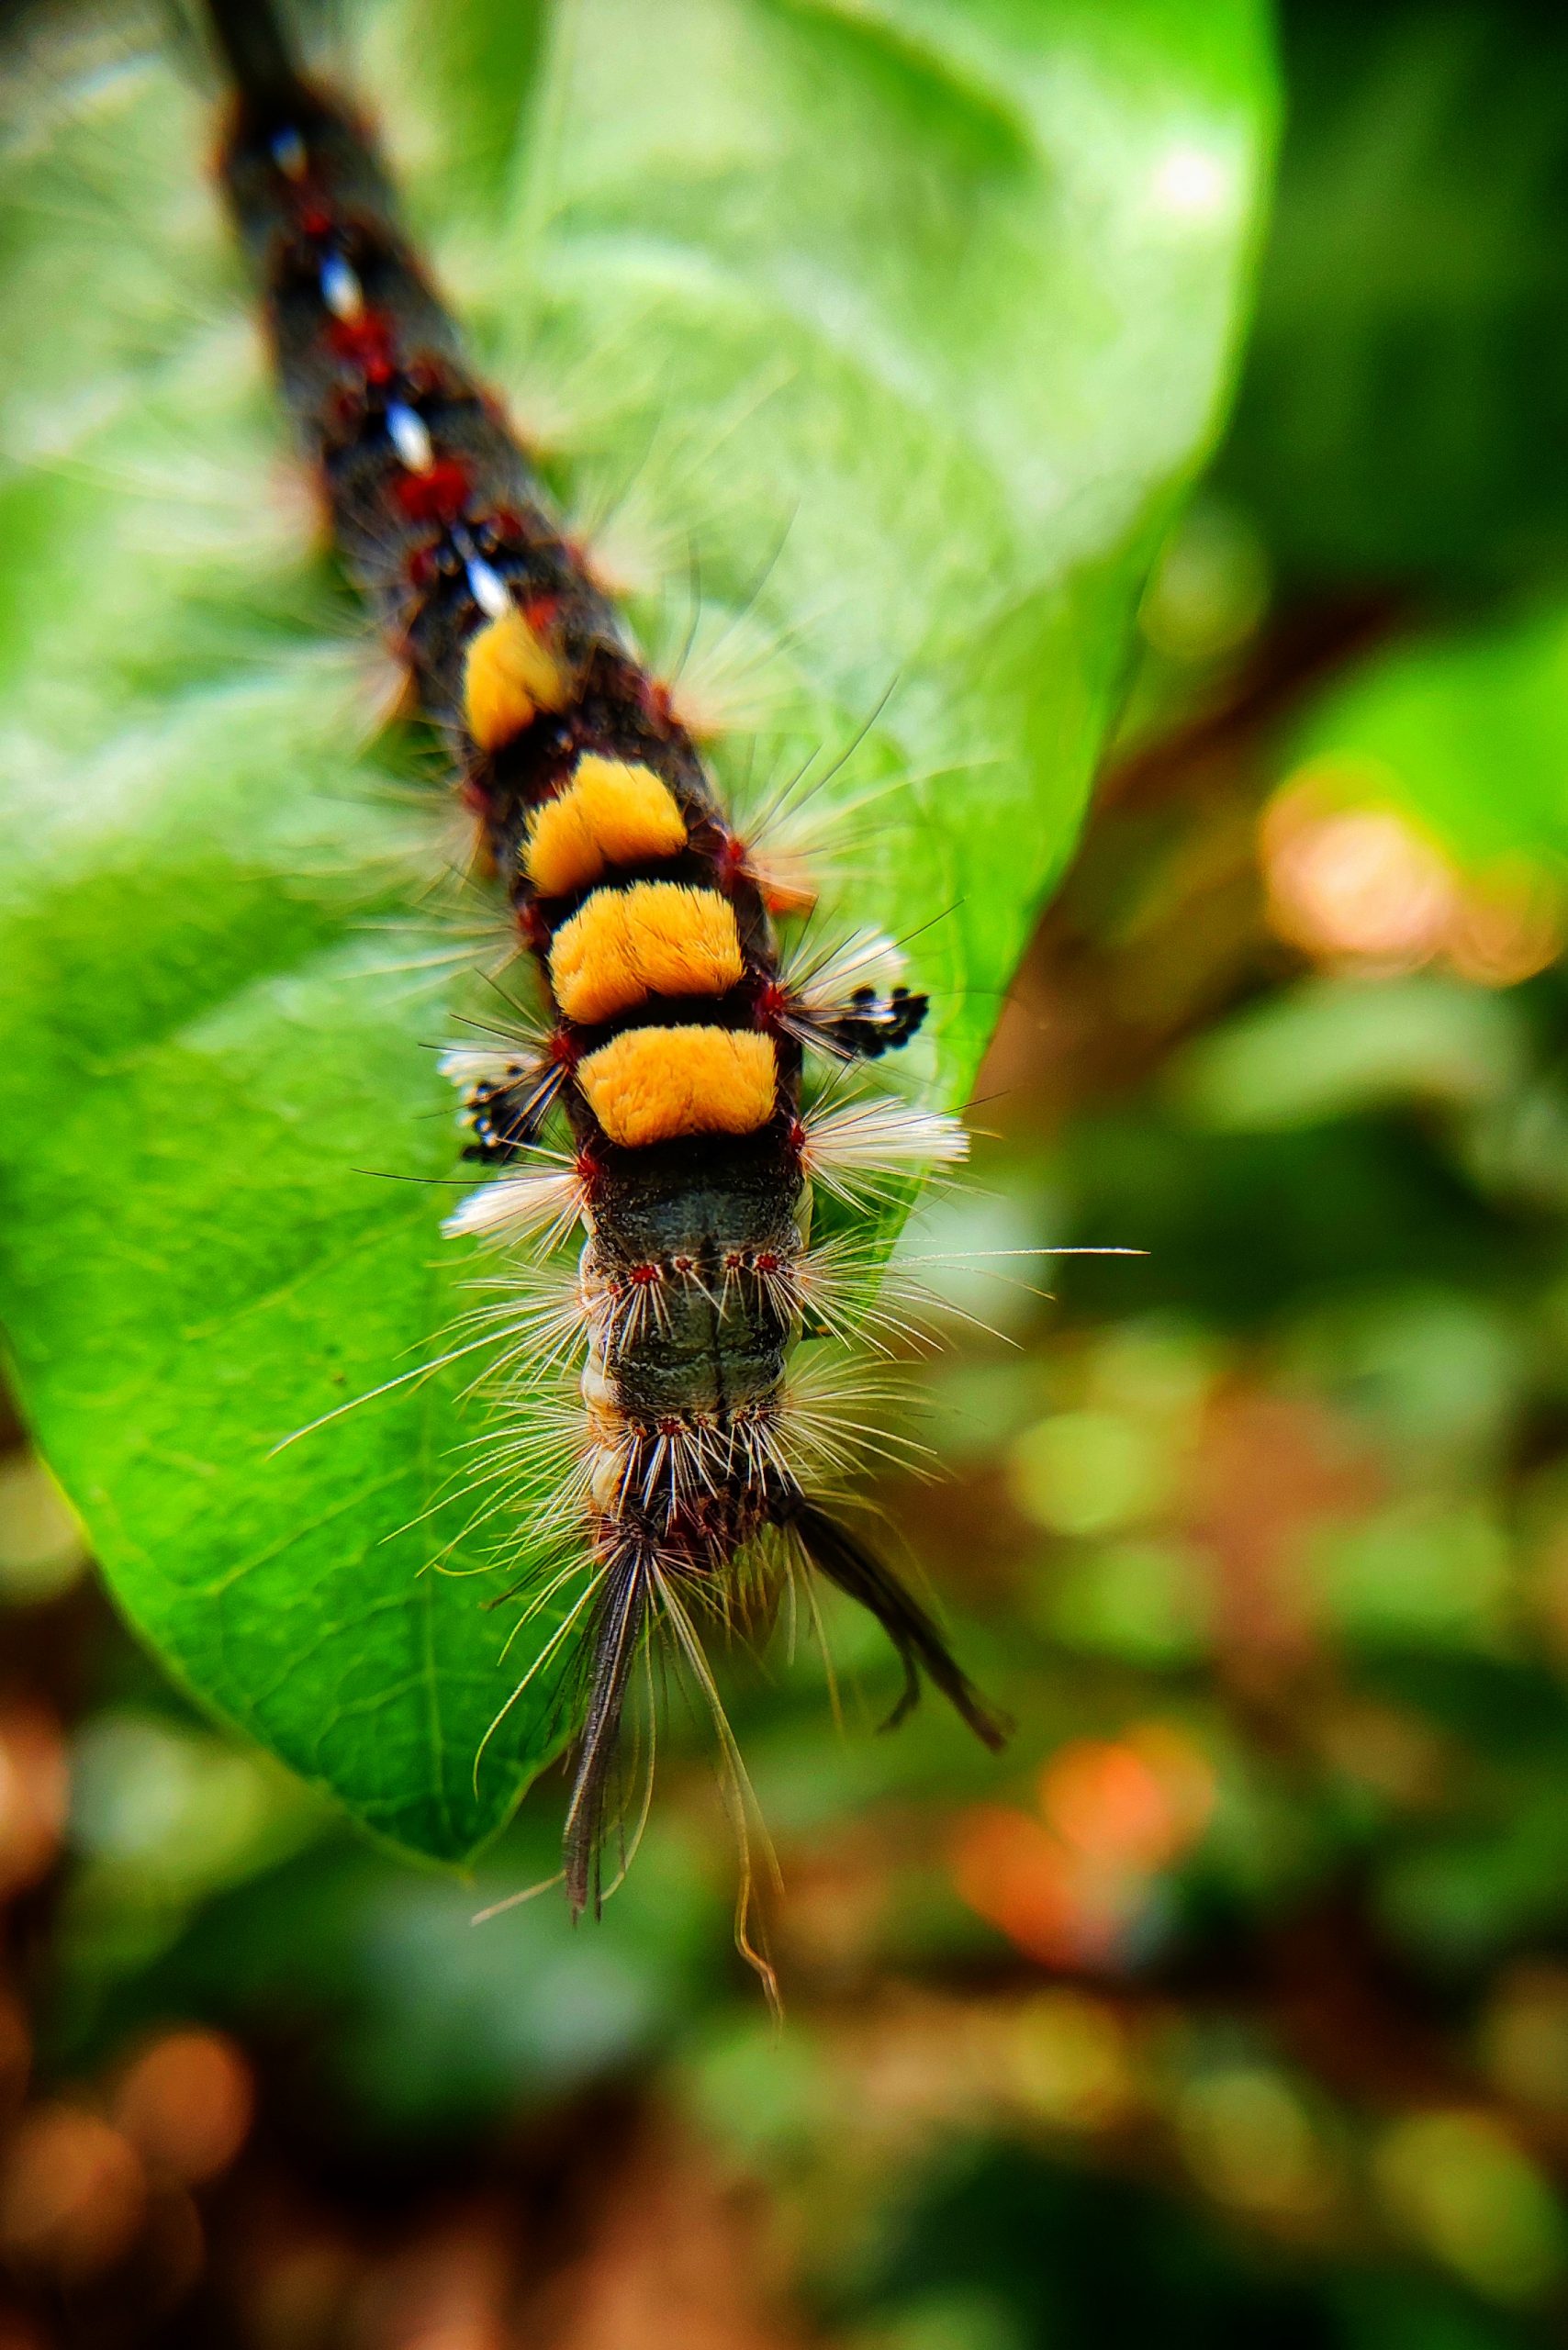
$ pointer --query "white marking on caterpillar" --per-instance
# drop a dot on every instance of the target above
(409, 435)
(489, 589)
(600, 1391)
(342, 291)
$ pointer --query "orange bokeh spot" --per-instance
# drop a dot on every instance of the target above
(1043, 1896)
(1352, 879)
(1069, 1887)
(72, 2193)
(34, 1790)
(1355, 880)
(1138, 1802)
(1508, 927)
(186, 2103)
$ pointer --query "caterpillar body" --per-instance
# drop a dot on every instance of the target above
(675, 1041)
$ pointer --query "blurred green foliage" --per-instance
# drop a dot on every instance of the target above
(1403, 421)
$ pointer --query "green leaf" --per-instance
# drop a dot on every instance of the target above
(896, 329)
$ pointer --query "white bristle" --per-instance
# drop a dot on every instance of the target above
(409, 435)
(877, 1137)
(519, 1204)
(845, 1287)
(826, 978)
(340, 290)
(474, 1065)
(836, 1418)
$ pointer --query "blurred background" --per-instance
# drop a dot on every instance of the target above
(1238, 2008)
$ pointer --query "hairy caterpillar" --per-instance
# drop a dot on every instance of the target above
(675, 1038)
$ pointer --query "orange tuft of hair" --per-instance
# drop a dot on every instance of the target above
(653, 1084)
(610, 813)
(656, 938)
(509, 674)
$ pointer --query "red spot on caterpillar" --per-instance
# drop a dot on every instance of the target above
(658, 704)
(645, 1276)
(766, 1260)
(366, 343)
(588, 1170)
(532, 928)
(563, 1051)
(539, 610)
(475, 798)
(797, 1135)
(438, 496)
(314, 221)
(422, 567)
(772, 1003)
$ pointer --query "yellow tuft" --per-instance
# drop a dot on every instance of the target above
(610, 813)
(656, 938)
(509, 674)
(651, 1084)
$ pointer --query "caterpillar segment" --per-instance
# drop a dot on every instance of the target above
(675, 1041)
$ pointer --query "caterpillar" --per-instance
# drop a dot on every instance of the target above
(676, 1035)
